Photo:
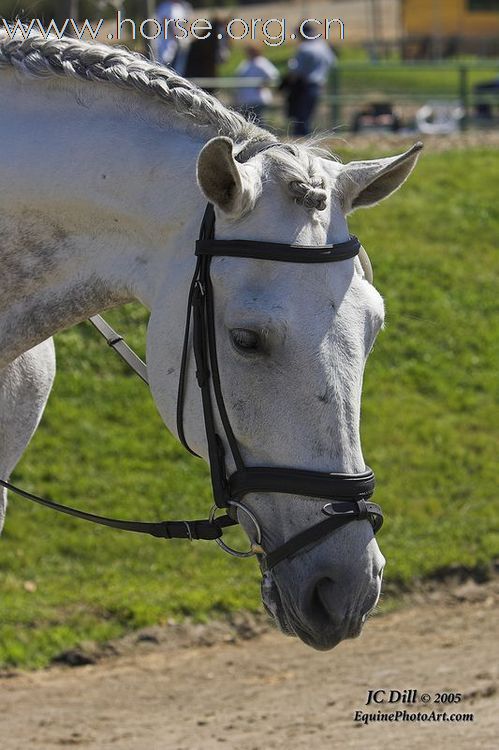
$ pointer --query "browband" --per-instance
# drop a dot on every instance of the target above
(280, 251)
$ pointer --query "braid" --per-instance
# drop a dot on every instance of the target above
(310, 195)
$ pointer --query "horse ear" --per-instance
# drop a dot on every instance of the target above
(364, 183)
(224, 182)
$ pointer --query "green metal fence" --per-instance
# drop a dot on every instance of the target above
(410, 82)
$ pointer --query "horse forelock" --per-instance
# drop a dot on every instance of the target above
(298, 165)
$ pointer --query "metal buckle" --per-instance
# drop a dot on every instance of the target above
(258, 538)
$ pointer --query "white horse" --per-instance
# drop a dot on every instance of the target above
(100, 206)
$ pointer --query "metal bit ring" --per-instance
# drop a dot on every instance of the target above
(252, 517)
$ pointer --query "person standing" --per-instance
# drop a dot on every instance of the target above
(171, 51)
(252, 100)
(308, 73)
(206, 54)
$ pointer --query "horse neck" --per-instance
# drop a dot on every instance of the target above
(97, 203)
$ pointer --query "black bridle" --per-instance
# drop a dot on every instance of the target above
(347, 495)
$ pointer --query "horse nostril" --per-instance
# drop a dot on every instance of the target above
(321, 600)
(379, 576)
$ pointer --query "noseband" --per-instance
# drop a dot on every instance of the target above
(347, 495)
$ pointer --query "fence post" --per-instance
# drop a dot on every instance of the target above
(464, 95)
(334, 87)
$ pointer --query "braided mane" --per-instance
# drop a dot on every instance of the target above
(48, 57)
(42, 57)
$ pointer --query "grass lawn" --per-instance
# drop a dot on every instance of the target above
(428, 431)
(406, 81)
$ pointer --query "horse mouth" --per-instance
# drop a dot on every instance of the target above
(284, 618)
(289, 622)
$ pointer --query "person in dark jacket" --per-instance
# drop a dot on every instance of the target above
(308, 73)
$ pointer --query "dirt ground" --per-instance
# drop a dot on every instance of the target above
(251, 690)
(473, 138)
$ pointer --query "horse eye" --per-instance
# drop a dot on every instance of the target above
(245, 340)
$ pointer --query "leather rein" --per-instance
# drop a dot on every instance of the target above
(347, 495)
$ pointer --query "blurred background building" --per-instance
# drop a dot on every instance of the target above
(444, 28)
